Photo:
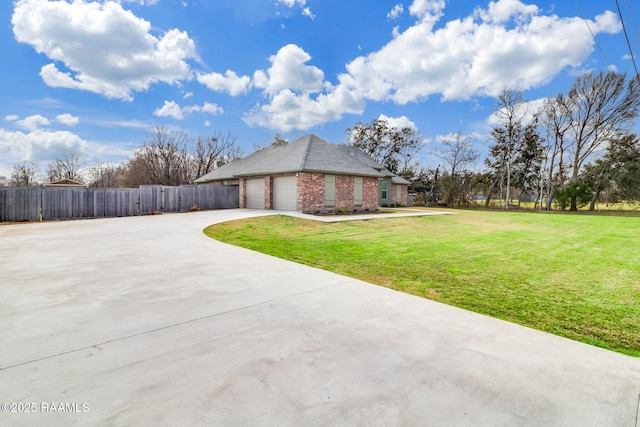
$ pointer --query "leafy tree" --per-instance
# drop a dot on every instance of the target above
(527, 170)
(617, 173)
(510, 145)
(575, 192)
(424, 183)
(391, 147)
(626, 158)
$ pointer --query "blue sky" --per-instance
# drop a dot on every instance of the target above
(93, 76)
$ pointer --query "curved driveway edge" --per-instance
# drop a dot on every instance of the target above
(146, 321)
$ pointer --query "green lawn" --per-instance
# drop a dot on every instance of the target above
(577, 276)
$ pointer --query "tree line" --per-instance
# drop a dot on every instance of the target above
(166, 158)
(573, 150)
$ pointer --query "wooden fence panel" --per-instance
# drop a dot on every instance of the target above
(188, 199)
(170, 199)
(28, 203)
(82, 203)
(57, 203)
(150, 199)
(226, 198)
(127, 201)
(20, 204)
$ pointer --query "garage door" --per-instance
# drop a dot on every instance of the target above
(285, 193)
(255, 193)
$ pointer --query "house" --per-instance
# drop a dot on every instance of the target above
(311, 175)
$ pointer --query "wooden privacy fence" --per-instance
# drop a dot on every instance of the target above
(29, 203)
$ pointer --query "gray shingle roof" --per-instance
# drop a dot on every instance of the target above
(307, 154)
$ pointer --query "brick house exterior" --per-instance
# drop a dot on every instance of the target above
(311, 175)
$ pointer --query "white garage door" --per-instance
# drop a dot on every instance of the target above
(255, 193)
(285, 193)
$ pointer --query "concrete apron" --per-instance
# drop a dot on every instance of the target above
(146, 321)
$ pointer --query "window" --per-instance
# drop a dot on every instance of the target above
(357, 190)
(330, 190)
(384, 186)
(398, 193)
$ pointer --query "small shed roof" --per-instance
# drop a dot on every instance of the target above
(64, 183)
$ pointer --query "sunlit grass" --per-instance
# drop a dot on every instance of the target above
(577, 276)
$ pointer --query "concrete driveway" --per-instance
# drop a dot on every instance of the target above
(146, 321)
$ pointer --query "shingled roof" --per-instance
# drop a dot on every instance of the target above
(307, 154)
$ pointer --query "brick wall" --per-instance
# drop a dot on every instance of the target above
(403, 195)
(370, 193)
(242, 182)
(268, 192)
(311, 192)
(344, 192)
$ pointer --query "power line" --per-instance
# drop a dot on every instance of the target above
(592, 35)
(634, 21)
(626, 36)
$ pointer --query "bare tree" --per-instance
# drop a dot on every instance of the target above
(104, 175)
(601, 107)
(508, 136)
(69, 167)
(24, 174)
(172, 158)
(457, 152)
(214, 151)
(556, 122)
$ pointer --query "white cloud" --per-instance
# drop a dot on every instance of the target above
(427, 11)
(172, 109)
(398, 122)
(396, 11)
(207, 107)
(288, 110)
(67, 119)
(118, 54)
(33, 122)
(507, 44)
(229, 82)
(298, 96)
(11, 117)
(140, 2)
(289, 71)
(525, 113)
(502, 11)
(306, 11)
(38, 145)
(474, 56)
(169, 109)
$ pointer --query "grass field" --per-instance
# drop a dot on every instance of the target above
(576, 276)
